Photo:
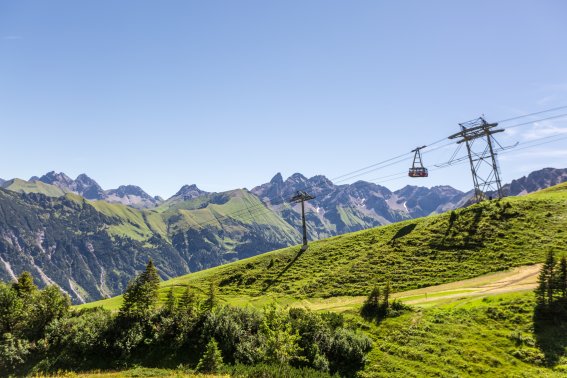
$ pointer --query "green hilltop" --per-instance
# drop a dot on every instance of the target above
(22, 186)
(487, 237)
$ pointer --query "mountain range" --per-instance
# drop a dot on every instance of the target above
(92, 241)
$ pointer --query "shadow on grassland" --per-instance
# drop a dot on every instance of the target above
(550, 328)
(271, 282)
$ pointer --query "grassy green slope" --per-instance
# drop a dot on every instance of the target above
(22, 186)
(465, 243)
(136, 224)
(489, 336)
(239, 205)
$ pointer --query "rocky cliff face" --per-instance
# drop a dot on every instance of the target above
(544, 178)
(131, 195)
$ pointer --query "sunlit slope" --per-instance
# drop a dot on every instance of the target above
(490, 336)
(22, 186)
(215, 209)
(460, 244)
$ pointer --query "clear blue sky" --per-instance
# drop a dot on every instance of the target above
(225, 94)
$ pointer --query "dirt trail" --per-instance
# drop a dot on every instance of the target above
(517, 279)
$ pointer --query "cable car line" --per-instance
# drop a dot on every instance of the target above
(392, 161)
(531, 114)
(402, 175)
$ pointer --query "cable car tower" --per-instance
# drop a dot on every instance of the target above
(302, 197)
(484, 166)
(417, 169)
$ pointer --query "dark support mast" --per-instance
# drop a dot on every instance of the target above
(479, 129)
(302, 197)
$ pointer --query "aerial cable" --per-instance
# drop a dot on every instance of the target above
(370, 166)
(380, 165)
(538, 120)
(532, 114)
(562, 136)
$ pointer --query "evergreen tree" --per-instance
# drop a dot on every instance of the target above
(211, 361)
(546, 284)
(562, 277)
(186, 304)
(386, 303)
(151, 277)
(212, 299)
(371, 306)
(25, 286)
(141, 296)
(170, 303)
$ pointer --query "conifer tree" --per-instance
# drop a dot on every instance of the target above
(150, 276)
(546, 284)
(170, 303)
(211, 361)
(386, 302)
(187, 302)
(141, 296)
(25, 286)
(371, 306)
(212, 299)
(562, 277)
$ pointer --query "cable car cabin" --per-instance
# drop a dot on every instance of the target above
(418, 172)
(417, 169)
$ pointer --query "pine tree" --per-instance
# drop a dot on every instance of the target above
(141, 296)
(211, 300)
(150, 276)
(186, 304)
(211, 361)
(386, 302)
(546, 285)
(170, 303)
(25, 286)
(371, 306)
(562, 277)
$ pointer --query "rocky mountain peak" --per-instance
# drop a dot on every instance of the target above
(88, 188)
(189, 192)
(130, 190)
(85, 180)
(295, 179)
(277, 179)
(58, 179)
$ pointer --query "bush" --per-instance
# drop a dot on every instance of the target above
(13, 352)
(348, 350)
(80, 341)
(236, 330)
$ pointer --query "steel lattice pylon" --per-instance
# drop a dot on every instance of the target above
(484, 166)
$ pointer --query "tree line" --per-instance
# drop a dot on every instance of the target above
(551, 292)
(41, 333)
